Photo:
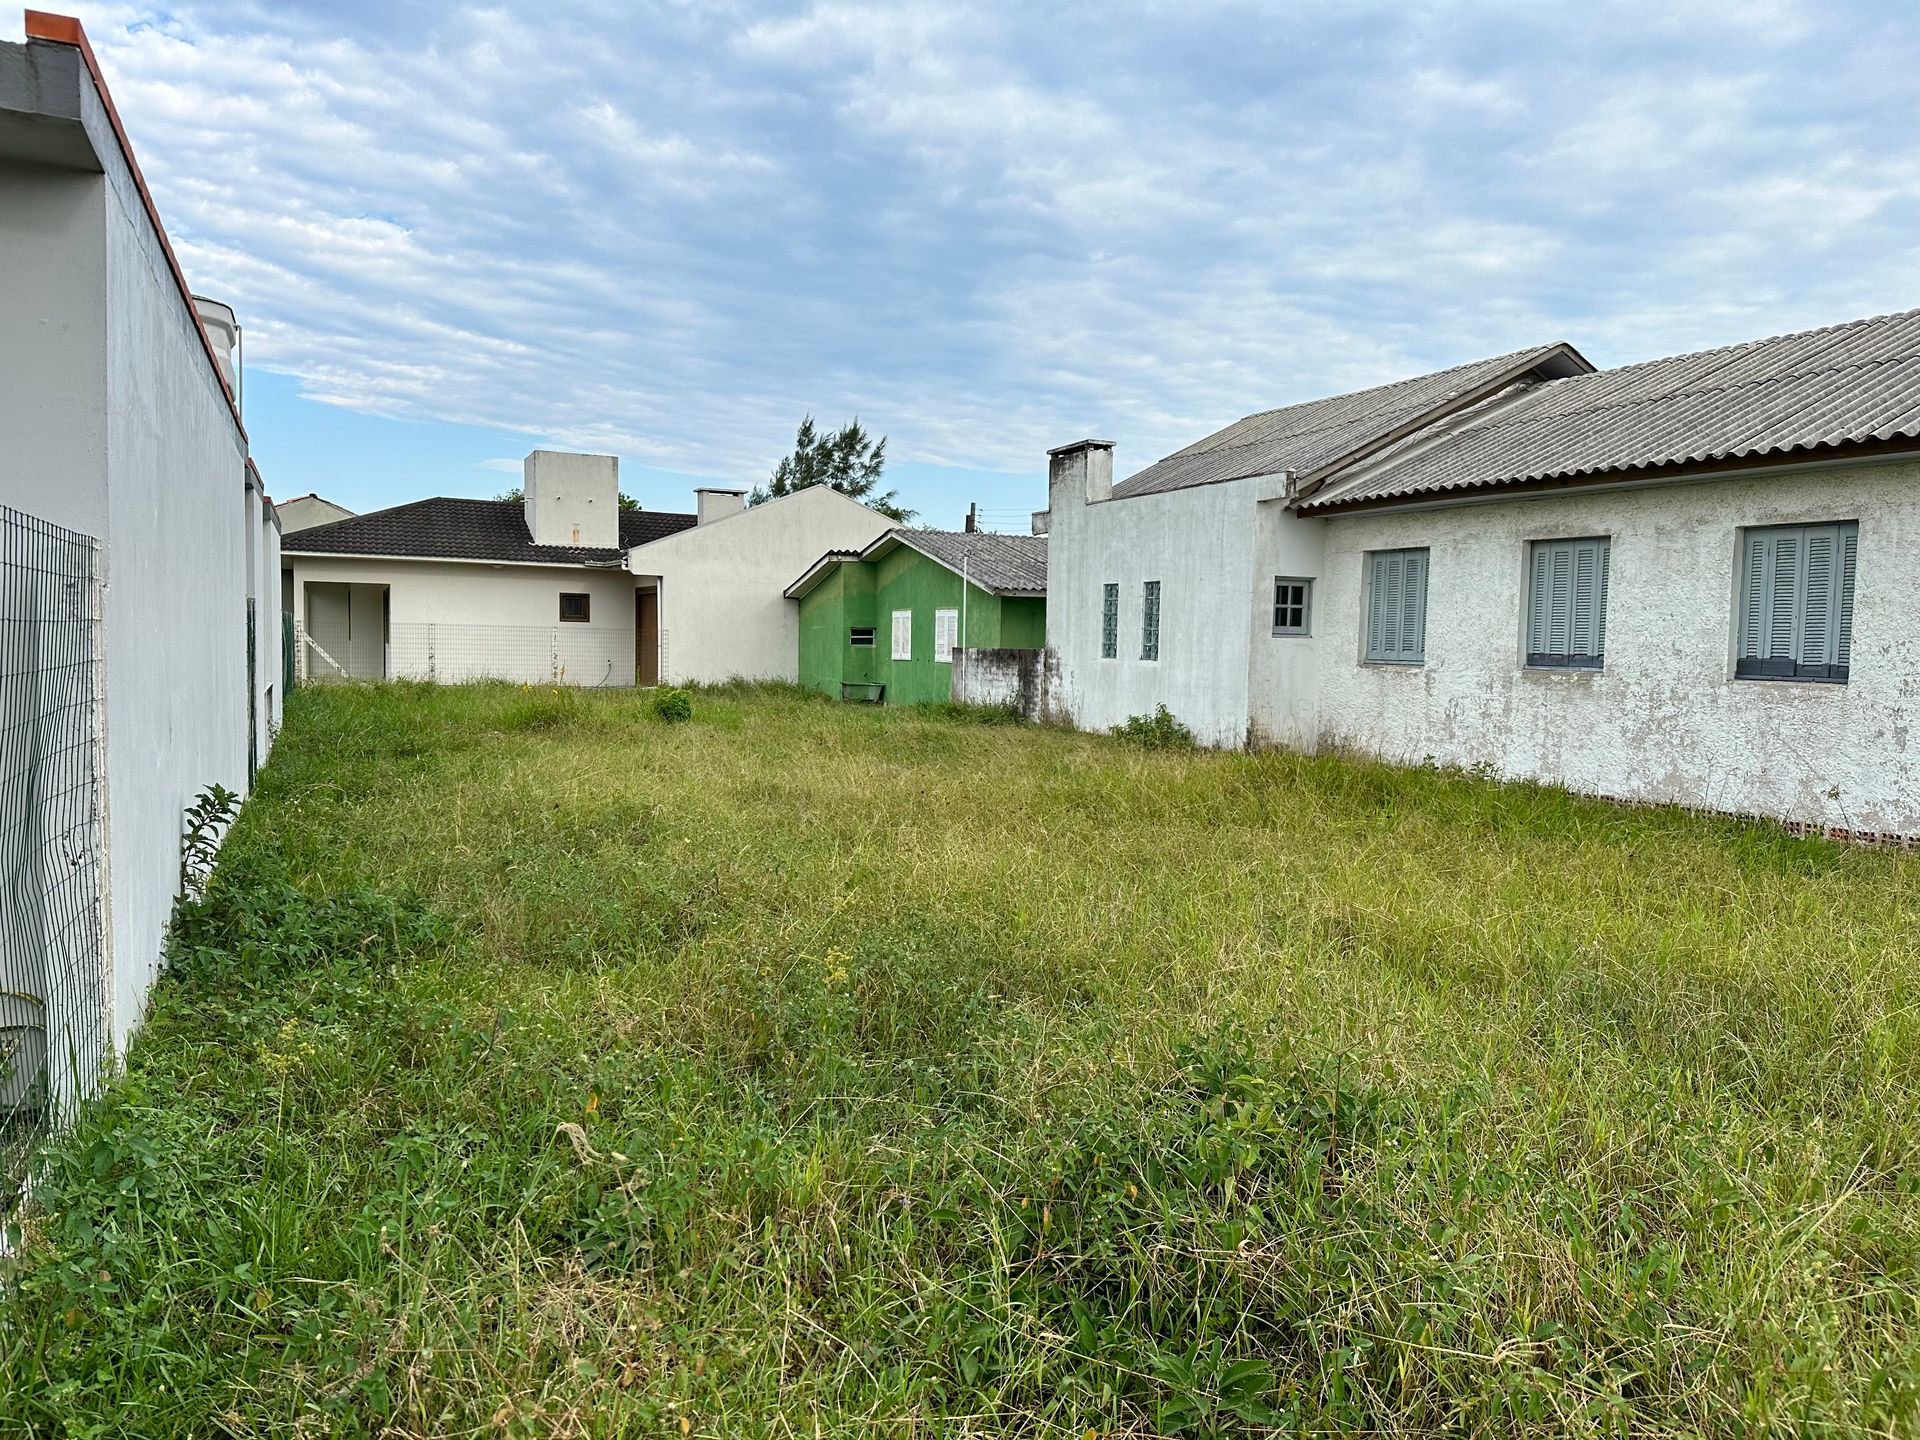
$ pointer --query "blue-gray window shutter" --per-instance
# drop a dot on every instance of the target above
(1397, 605)
(1567, 603)
(1796, 602)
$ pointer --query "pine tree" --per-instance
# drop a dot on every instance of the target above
(848, 460)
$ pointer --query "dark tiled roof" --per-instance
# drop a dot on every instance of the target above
(1318, 436)
(998, 564)
(448, 528)
(1794, 394)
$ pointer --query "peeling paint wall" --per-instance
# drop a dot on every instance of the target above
(1021, 680)
(1664, 720)
(1199, 544)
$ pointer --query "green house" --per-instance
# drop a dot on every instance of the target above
(882, 623)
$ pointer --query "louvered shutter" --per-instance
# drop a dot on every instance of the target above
(1567, 603)
(903, 635)
(1537, 586)
(1397, 606)
(1796, 602)
(1843, 629)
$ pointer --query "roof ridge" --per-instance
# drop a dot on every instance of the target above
(1396, 384)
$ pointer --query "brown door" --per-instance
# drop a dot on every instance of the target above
(646, 636)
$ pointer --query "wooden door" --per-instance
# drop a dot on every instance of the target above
(646, 636)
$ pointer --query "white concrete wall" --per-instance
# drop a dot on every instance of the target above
(572, 499)
(113, 422)
(1200, 544)
(176, 628)
(53, 345)
(267, 636)
(458, 620)
(1664, 720)
(723, 609)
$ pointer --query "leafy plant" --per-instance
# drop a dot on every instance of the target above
(207, 821)
(1158, 731)
(672, 704)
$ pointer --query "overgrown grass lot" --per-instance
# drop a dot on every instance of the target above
(537, 1066)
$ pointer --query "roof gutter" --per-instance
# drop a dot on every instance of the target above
(65, 30)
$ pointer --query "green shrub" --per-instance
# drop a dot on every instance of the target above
(672, 704)
(1158, 731)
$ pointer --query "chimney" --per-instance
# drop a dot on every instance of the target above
(224, 331)
(1079, 474)
(715, 504)
(973, 517)
(572, 499)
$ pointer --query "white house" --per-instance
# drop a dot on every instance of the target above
(1681, 581)
(563, 587)
(139, 579)
(712, 600)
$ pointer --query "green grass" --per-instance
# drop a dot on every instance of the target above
(942, 1078)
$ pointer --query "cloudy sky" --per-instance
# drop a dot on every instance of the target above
(669, 230)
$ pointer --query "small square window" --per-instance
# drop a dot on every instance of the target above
(575, 607)
(1292, 605)
(861, 635)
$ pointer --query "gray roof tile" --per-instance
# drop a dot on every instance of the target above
(998, 564)
(1806, 392)
(1318, 436)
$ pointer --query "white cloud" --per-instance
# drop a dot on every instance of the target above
(673, 229)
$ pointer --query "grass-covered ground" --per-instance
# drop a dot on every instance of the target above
(536, 1067)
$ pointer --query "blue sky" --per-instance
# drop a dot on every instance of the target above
(669, 230)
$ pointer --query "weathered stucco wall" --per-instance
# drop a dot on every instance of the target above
(1019, 678)
(724, 614)
(456, 621)
(1664, 720)
(1199, 544)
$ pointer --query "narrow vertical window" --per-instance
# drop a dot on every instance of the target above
(1150, 620)
(1396, 607)
(1292, 605)
(1796, 602)
(1109, 622)
(1567, 603)
(903, 634)
(946, 631)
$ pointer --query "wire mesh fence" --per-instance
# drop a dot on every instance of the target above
(589, 655)
(53, 1003)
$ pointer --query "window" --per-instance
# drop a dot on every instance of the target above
(574, 607)
(946, 634)
(1397, 607)
(1567, 603)
(903, 634)
(1109, 621)
(1796, 602)
(1150, 620)
(861, 635)
(1292, 605)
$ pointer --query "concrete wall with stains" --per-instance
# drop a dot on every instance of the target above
(1664, 720)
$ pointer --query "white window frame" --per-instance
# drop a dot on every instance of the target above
(946, 635)
(903, 635)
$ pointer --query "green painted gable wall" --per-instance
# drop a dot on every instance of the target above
(867, 592)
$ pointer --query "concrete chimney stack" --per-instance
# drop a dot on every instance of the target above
(713, 504)
(572, 499)
(1079, 474)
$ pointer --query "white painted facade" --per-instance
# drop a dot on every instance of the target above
(460, 620)
(1664, 720)
(724, 614)
(114, 422)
